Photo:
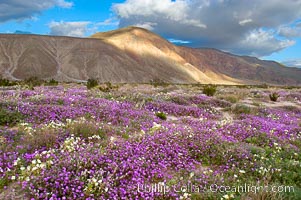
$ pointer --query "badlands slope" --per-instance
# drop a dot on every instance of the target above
(132, 55)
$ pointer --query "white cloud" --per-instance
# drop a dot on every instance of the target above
(216, 23)
(74, 29)
(147, 25)
(108, 22)
(172, 10)
(176, 41)
(64, 4)
(262, 42)
(176, 11)
(21, 9)
(245, 21)
(293, 63)
(290, 32)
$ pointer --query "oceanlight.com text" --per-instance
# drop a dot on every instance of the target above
(214, 188)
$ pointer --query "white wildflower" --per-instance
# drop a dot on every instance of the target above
(226, 197)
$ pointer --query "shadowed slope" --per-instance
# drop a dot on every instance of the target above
(75, 59)
(245, 67)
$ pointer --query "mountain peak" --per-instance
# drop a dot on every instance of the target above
(140, 41)
(127, 31)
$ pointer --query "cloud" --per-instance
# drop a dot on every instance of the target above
(63, 4)
(21, 9)
(74, 29)
(261, 42)
(174, 11)
(227, 25)
(147, 25)
(108, 22)
(245, 21)
(290, 32)
(178, 41)
(293, 63)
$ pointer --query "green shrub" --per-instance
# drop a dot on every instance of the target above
(125, 136)
(263, 86)
(209, 90)
(254, 103)
(6, 82)
(52, 82)
(39, 139)
(260, 140)
(33, 82)
(107, 87)
(158, 82)
(290, 87)
(231, 98)
(9, 118)
(60, 102)
(92, 83)
(85, 130)
(274, 96)
(161, 115)
(179, 100)
(241, 109)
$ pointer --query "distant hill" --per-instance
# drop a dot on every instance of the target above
(132, 55)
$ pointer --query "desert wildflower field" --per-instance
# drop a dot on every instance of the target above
(147, 141)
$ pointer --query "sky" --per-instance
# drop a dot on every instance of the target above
(269, 29)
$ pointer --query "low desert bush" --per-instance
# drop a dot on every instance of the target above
(263, 86)
(107, 87)
(52, 82)
(274, 96)
(85, 130)
(180, 100)
(9, 118)
(60, 102)
(43, 138)
(158, 82)
(161, 115)
(231, 98)
(241, 109)
(91, 83)
(209, 90)
(6, 82)
(33, 81)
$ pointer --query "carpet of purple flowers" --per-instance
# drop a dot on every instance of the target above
(67, 142)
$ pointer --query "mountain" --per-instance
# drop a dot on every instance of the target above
(22, 32)
(132, 55)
